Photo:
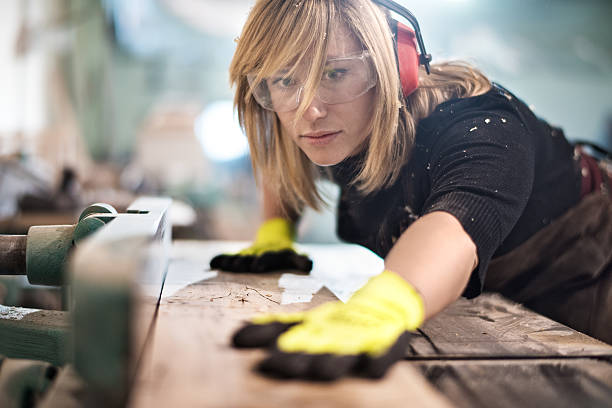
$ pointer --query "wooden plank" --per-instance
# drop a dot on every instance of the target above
(492, 326)
(560, 383)
(34, 334)
(192, 364)
(487, 326)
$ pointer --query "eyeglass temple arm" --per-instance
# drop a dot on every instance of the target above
(424, 57)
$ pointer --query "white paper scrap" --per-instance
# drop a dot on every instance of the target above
(298, 288)
(343, 268)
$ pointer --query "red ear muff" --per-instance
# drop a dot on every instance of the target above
(406, 40)
(407, 58)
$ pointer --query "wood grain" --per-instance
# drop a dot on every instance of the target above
(491, 326)
(192, 364)
(485, 352)
(560, 383)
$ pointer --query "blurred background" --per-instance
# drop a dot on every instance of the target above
(105, 100)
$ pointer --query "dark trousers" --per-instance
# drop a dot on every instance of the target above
(565, 270)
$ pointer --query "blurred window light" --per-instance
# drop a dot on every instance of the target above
(140, 27)
(215, 17)
(219, 133)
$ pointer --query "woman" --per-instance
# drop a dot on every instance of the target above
(454, 182)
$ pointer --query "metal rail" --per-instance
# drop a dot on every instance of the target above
(117, 277)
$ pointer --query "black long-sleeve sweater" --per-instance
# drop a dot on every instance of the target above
(487, 160)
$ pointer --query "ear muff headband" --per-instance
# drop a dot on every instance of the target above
(406, 40)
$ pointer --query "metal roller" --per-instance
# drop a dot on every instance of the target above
(42, 254)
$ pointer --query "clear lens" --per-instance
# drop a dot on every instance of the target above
(344, 79)
(277, 93)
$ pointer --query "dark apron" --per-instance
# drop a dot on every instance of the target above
(564, 271)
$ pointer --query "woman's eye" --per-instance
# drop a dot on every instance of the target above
(283, 82)
(335, 74)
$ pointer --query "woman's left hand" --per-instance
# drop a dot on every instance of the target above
(272, 250)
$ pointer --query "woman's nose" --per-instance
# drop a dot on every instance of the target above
(316, 110)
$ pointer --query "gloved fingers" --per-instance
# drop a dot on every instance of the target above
(321, 367)
(376, 367)
(266, 262)
(233, 263)
(241, 263)
(301, 353)
(218, 262)
(329, 367)
(301, 262)
(279, 260)
(259, 335)
(285, 365)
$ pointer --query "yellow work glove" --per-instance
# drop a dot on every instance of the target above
(272, 250)
(364, 336)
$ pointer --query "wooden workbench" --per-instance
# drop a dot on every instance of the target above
(487, 352)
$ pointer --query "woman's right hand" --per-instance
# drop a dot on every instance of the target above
(272, 250)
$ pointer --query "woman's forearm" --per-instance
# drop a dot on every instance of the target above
(436, 256)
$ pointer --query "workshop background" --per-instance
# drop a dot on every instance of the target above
(106, 100)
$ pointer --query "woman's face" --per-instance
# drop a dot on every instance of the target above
(326, 133)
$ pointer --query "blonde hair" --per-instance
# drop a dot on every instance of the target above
(279, 33)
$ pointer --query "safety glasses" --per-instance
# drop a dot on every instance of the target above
(344, 79)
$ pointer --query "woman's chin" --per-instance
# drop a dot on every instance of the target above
(325, 161)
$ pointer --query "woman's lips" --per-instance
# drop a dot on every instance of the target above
(320, 138)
